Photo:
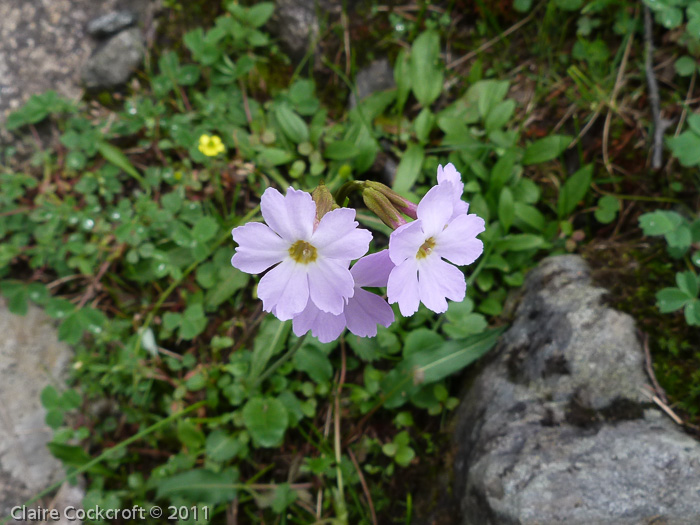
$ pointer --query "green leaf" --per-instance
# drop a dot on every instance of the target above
(529, 215)
(681, 237)
(409, 168)
(260, 13)
(205, 229)
(49, 397)
(546, 149)
(311, 360)
(284, 497)
(520, 242)
(190, 436)
(686, 147)
(17, 295)
(71, 329)
(426, 75)
(669, 17)
(608, 206)
(502, 171)
(506, 208)
(671, 299)
(266, 419)
(114, 156)
(274, 157)
(402, 78)
(685, 66)
(59, 308)
(688, 283)
(193, 322)
(222, 447)
(499, 115)
(270, 340)
(292, 125)
(423, 125)
(660, 222)
(200, 486)
(421, 339)
(574, 190)
(341, 150)
(404, 456)
(522, 6)
(232, 281)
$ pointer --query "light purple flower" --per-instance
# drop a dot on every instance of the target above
(311, 264)
(420, 250)
(363, 311)
(450, 174)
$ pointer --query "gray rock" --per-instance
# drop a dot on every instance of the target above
(111, 23)
(296, 22)
(378, 76)
(30, 358)
(557, 426)
(114, 62)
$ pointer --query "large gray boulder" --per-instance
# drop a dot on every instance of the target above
(558, 426)
(31, 357)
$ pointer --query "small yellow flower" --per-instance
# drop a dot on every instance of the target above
(211, 146)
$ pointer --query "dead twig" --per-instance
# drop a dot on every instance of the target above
(365, 488)
(613, 97)
(684, 114)
(495, 40)
(650, 370)
(654, 100)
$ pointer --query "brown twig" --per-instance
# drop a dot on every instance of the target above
(365, 488)
(613, 97)
(654, 100)
(650, 370)
(495, 40)
(684, 114)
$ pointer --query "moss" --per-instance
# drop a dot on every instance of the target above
(633, 274)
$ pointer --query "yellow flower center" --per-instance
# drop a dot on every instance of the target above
(302, 252)
(426, 248)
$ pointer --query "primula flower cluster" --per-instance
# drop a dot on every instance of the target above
(307, 244)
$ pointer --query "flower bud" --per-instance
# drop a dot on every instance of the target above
(324, 202)
(382, 207)
(400, 203)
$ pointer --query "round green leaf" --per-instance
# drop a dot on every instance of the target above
(266, 419)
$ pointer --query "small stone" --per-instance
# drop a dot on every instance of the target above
(114, 62)
(110, 23)
(378, 76)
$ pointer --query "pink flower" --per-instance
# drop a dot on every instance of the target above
(420, 250)
(363, 311)
(311, 263)
(450, 174)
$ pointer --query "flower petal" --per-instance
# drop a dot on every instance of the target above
(330, 283)
(438, 280)
(405, 241)
(338, 236)
(373, 269)
(326, 327)
(458, 243)
(449, 174)
(402, 287)
(291, 216)
(258, 248)
(364, 311)
(435, 208)
(285, 288)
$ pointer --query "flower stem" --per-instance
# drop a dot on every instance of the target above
(286, 357)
